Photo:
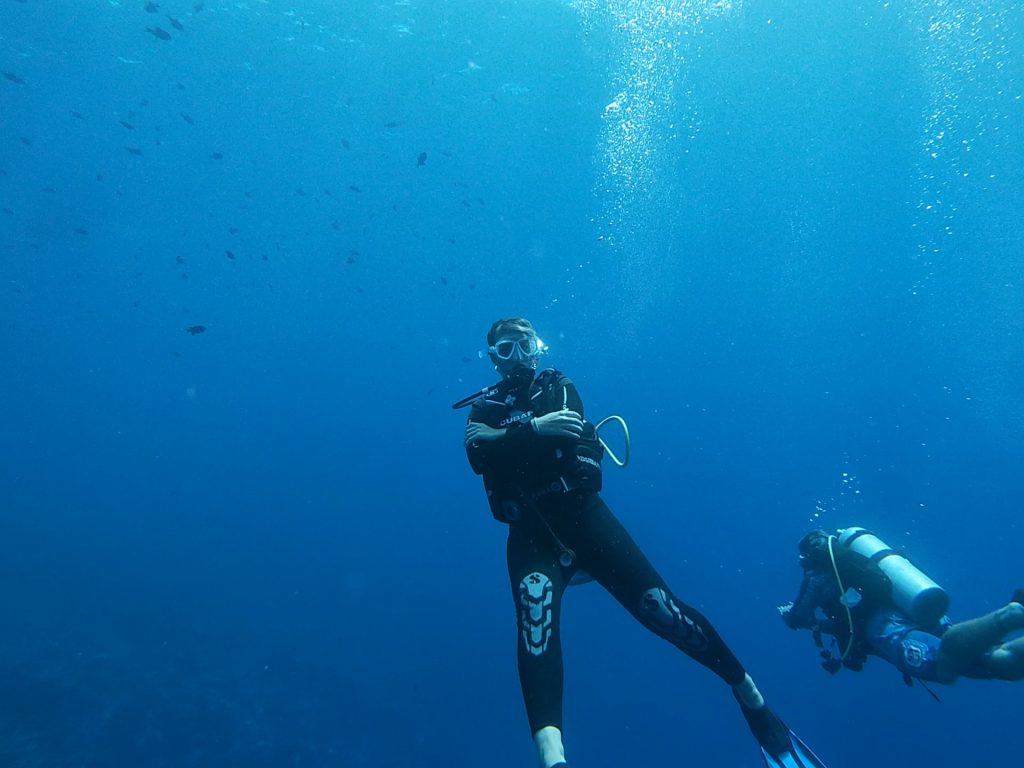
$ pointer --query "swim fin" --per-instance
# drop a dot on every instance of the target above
(780, 747)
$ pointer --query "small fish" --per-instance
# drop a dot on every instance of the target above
(8, 211)
(194, 329)
(350, 260)
(421, 160)
(197, 7)
(230, 255)
(392, 124)
(12, 77)
(129, 126)
(187, 118)
(233, 230)
(81, 231)
(175, 23)
(179, 259)
(444, 280)
(354, 188)
(133, 151)
(25, 140)
(158, 33)
(75, 113)
(344, 142)
(216, 156)
(151, 7)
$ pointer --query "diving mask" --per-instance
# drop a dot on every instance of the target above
(522, 348)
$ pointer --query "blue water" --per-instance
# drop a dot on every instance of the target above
(782, 239)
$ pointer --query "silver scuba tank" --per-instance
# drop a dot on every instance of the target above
(913, 592)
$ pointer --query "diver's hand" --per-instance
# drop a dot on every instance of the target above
(481, 433)
(558, 424)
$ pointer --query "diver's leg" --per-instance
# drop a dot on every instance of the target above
(966, 642)
(607, 552)
(1005, 662)
(537, 586)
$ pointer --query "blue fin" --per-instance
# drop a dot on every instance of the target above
(798, 755)
(780, 747)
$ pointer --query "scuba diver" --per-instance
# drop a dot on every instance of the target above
(541, 465)
(872, 601)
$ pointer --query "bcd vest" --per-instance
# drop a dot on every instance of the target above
(547, 466)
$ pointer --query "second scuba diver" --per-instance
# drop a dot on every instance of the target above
(873, 602)
(540, 461)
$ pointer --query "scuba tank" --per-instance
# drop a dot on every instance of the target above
(913, 592)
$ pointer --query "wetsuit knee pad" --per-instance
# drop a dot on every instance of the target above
(536, 621)
(662, 615)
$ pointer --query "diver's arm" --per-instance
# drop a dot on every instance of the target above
(801, 614)
(486, 444)
(564, 413)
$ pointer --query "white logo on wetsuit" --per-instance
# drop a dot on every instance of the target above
(515, 418)
(914, 653)
(535, 597)
(668, 620)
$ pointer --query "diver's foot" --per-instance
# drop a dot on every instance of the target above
(770, 732)
(746, 693)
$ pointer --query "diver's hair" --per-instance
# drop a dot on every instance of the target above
(804, 547)
(509, 325)
(813, 553)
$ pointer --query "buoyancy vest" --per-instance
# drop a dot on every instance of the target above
(864, 575)
(519, 475)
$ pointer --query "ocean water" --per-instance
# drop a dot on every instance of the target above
(249, 252)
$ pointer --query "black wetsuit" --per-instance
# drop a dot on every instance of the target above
(818, 590)
(819, 605)
(546, 490)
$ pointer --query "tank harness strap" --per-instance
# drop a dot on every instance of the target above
(881, 554)
(878, 556)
